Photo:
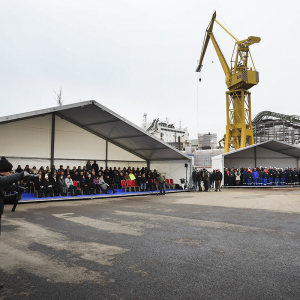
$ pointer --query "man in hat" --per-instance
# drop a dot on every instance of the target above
(6, 179)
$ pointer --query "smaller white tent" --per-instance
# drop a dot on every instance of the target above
(271, 153)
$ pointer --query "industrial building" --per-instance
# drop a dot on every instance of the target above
(269, 125)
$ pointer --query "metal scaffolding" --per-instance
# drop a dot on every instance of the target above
(269, 125)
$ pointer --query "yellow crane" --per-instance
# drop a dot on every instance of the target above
(239, 78)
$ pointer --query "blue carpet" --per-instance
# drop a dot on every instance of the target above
(120, 193)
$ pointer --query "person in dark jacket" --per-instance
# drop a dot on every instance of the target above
(117, 179)
(143, 183)
(200, 180)
(48, 190)
(218, 180)
(260, 176)
(206, 180)
(289, 176)
(195, 177)
(231, 177)
(7, 179)
(249, 177)
(270, 175)
(55, 185)
(282, 177)
(95, 166)
(88, 166)
(276, 176)
(226, 176)
(295, 176)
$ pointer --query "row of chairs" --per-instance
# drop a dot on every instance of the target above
(130, 184)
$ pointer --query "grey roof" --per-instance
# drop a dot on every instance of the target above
(99, 120)
(274, 145)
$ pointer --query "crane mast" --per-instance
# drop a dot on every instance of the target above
(239, 78)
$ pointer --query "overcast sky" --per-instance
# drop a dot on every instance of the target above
(140, 56)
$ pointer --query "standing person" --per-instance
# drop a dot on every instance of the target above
(255, 177)
(212, 178)
(88, 166)
(226, 176)
(95, 166)
(199, 179)
(194, 177)
(260, 176)
(249, 177)
(270, 175)
(6, 179)
(265, 177)
(143, 182)
(244, 176)
(218, 180)
(238, 176)
(295, 176)
(162, 183)
(282, 177)
(276, 176)
(231, 177)
(206, 180)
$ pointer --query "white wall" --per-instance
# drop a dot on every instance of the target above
(26, 138)
(172, 169)
(117, 153)
(74, 142)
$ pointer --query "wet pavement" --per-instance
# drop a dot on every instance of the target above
(231, 245)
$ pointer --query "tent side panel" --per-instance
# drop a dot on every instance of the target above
(117, 153)
(172, 169)
(289, 162)
(73, 142)
(26, 138)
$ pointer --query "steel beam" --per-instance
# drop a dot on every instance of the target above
(52, 140)
(127, 137)
(99, 123)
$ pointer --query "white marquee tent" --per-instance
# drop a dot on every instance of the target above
(270, 153)
(72, 134)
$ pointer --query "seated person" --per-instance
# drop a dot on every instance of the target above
(105, 186)
(56, 187)
(97, 185)
(90, 182)
(48, 190)
(117, 179)
(62, 184)
(126, 176)
(84, 184)
(39, 186)
(131, 176)
(69, 183)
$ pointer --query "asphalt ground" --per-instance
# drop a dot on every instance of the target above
(235, 244)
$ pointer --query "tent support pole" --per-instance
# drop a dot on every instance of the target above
(148, 165)
(52, 140)
(255, 164)
(106, 151)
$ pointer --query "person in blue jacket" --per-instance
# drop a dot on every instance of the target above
(255, 177)
(265, 176)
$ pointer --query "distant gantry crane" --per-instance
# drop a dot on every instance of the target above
(239, 78)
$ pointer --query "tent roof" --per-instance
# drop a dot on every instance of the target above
(99, 120)
(277, 146)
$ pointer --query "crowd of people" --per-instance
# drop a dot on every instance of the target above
(91, 179)
(261, 176)
(203, 180)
